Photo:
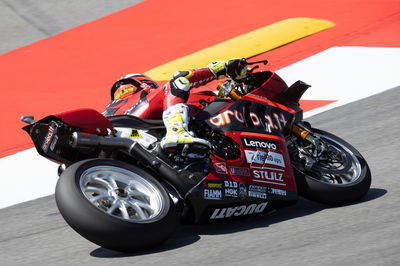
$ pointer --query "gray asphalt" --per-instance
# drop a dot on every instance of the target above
(27, 21)
(365, 233)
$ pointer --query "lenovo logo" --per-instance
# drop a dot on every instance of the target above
(259, 144)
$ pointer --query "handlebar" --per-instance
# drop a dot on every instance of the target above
(253, 63)
(244, 62)
(233, 87)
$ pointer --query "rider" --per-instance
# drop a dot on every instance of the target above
(175, 110)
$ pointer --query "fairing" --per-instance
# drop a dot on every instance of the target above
(51, 134)
(88, 120)
(261, 178)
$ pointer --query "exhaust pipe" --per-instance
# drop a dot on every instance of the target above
(79, 139)
(177, 178)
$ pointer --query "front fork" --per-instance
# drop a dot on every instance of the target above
(310, 153)
(302, 131)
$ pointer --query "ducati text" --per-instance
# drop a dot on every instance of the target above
(238, 211)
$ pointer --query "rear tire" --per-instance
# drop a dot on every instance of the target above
(115, 205)
(317, 189)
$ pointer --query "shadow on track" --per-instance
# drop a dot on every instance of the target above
(189, 234)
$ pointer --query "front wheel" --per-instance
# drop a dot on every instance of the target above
(115, 205)
(337, 175)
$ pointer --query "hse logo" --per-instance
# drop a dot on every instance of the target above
(260, 143)
(238, 211)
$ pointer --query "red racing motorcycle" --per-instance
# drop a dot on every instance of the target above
(118, 189)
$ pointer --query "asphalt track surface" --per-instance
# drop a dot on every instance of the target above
(365, 233)
(27, 21)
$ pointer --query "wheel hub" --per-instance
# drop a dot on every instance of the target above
(122, 193)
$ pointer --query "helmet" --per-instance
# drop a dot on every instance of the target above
(131, 84)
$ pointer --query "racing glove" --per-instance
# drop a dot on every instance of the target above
(218, 68)
(234, 68)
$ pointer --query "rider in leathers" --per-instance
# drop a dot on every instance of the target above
(175, 110)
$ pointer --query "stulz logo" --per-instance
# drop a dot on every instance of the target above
(259, 144)
(268, 175)
(238, 211)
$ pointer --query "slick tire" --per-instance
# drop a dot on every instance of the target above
(78, 203)
(331, 193)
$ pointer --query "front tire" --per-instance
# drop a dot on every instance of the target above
(115, 205)
(350, 185)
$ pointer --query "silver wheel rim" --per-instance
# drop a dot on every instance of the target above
(122, 194)
(354, 172)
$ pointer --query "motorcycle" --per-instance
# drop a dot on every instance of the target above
(118, 189)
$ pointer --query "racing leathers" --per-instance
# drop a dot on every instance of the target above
(176, 111)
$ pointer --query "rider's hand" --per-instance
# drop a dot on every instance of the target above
(218, 68)
(236, 68)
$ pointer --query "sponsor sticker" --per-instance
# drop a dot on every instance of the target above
(231, 189)
(260, 144)
(258, 195)
(262, 157)
(242, 191)
(213, 194)
(135, 134)
(213, 185)
(236, 211)
(268, 175)
(233, 184)
(239, 171)
(275, 159)
(258, 157)
(231, 192)
(220, 168)
(50, 133)
(277, 191)
(256, 188)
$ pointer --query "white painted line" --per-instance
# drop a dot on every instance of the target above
(345, 74)
(26, 176)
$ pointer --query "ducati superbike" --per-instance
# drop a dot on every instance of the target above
(118, 189)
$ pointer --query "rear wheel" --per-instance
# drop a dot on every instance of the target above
(115, 205)
(339, 174)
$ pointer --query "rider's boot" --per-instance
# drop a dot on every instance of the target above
(177, 138)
